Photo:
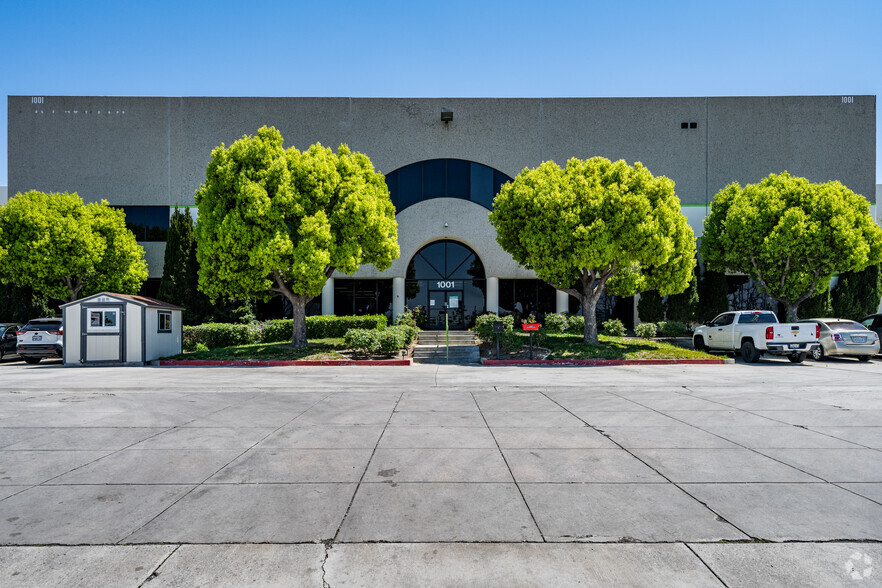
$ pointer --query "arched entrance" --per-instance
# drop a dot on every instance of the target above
(446, 276)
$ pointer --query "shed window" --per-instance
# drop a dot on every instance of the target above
(164, 321)
(103, 320)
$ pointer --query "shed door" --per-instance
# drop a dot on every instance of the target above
(103, 333)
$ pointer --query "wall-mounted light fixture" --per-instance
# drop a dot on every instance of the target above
(446, 115)
(445, 225)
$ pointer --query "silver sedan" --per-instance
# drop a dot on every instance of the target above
(843, 337)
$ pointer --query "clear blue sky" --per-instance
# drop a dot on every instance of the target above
(440, 48)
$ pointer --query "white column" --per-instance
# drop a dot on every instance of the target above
(493, 295)
(328, 297)
(637, 320)
(399, 298)
(562, 302)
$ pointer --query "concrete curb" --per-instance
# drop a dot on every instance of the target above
(602, 362)
(280, 363)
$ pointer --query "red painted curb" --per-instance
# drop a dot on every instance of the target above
(601, 362)
(280, 362)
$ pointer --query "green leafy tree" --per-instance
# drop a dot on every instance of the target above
(280, 222)
(19, 304)
(820, 305)
(790, 235)
(683, 307)
(593, 225)
(63, 248)
(650, 308)
(857, 294)
(180, 270)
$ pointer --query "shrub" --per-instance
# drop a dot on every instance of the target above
(405, 319)
(671, 328)
(683, 307)
(323, 327)
(556, 323)
(645, 330)
(650, 307)
(857, 293)
(363, 341)
(200, 347)
(392, 339)
(276, 331)
(216, 335)
(484, 326)
(818, 306)
(576, 324)
(614, 328)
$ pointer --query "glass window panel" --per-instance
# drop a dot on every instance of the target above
(474, 300)
(415, 292)
(481, 184)
(458, 179)
(499, 178)
(94, 319)
(366, 297)
(344, 303)
(434, 178)
(506, 296)
(458, 258)
(547, 298)
(410, 185)
(392, 184)
(109, 318)
(434, 254)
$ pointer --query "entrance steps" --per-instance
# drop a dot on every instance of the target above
(431, 348)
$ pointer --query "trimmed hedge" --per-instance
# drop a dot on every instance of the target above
(671, 329)
(217, 335)
(389, 340)
(556, 323)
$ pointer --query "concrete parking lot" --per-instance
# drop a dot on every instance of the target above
(737, 475)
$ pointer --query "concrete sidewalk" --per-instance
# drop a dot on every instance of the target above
(454, 475)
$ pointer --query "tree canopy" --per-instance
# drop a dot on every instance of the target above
(790, 235)
(593, 225)
(180, 270)
(63, 248)
(280, 222)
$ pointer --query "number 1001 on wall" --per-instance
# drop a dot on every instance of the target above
(446, 284)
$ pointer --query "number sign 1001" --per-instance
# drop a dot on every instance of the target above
(447, 284)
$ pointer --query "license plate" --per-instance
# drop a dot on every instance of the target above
(794, 346)
(859, 339)
(37, 338)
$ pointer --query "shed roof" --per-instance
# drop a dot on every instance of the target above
(139, 300)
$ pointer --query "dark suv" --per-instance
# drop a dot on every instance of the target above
(7, 339)
(41, 338)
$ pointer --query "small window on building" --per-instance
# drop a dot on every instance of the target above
(103, 320)
(164, 321)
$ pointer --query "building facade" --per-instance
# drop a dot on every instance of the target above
(444, 159)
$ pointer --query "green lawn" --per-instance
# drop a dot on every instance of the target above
(317, 349)
(566, 346)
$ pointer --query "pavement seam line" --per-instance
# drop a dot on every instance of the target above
(674, 484)
(155, 571)
(710, 569)
(202, 483)
(364, 472)
(508, 466)
(752, 450)
(325, 561)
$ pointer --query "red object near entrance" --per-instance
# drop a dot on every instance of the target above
(531, 326)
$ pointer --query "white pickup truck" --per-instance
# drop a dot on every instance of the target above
(755, 332)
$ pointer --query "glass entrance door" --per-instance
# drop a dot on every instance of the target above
(454, 308)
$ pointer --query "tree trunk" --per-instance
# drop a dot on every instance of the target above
(791, 313)
(589, 311)
(298, 313)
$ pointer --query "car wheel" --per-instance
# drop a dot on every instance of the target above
(818, 353)
(698, 344)
(797, 357)
(864, 358)
(749, 352)
(32, 360)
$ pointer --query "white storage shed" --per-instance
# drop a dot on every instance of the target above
(108, 328)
